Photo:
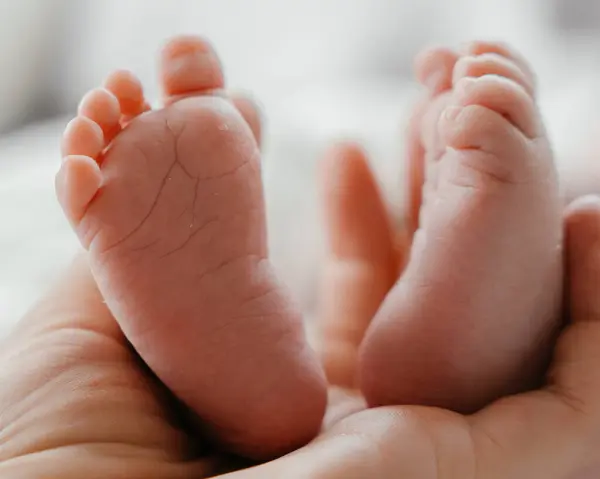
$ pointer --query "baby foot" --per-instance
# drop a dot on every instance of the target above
(169, 204)
(472, 317)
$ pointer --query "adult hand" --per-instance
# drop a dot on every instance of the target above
(366, 256)
(75, 401)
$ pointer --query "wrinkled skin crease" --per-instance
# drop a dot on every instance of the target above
(75, 400)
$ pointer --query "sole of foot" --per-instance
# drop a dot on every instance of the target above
(169, 204)
(473, 315)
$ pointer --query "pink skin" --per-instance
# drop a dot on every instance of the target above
(362, 263)
(472, 316)
(169, 204)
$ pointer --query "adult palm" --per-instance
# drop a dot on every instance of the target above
(76, 401)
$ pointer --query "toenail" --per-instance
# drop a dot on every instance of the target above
(466, 48)
(461, 68)
(434, 82)
(589, 201)
(186, 44)
(465, 84)
(431, 80)
(183, 59)
(178, 67)
(451, 113)
(468, 59)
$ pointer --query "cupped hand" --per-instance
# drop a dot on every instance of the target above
(75, 401)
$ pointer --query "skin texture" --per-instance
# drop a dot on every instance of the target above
(76, 401)
(369, 262)
(171, 211)
(486, 237)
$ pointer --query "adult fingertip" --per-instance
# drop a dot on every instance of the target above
(584, 204)
(583, 258)
(582, 224)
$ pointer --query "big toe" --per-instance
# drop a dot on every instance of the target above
(433, 68)
(189, 66)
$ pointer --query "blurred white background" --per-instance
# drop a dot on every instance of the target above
(322, 69)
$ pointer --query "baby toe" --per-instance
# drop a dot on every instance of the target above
(503, 96)
(478, 48)
(433, 68)
(76, 184)
(189, 66)
(492, 64)
(82, 136)
(128, 90)
(102, 107)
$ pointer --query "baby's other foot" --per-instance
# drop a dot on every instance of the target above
(169, 204)
(472, 317)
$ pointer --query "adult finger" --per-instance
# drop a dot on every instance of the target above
(70, 385)
(555, 432)
(361, 264)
